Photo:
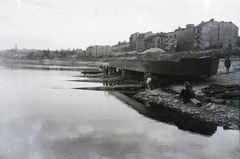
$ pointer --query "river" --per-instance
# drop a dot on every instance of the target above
(43, 117)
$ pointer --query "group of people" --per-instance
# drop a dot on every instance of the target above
(188, 92)
(104, 68)
(185, 94)
(107, 70)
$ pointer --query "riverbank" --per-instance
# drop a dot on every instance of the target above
(223, 112)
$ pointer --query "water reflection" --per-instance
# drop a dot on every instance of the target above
(15, 66)
(156, 112)
(38, 121)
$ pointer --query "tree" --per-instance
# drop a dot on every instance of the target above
(63, 54)
(30, 55)
(46, 54)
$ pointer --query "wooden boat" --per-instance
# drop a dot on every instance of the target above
(91, 71)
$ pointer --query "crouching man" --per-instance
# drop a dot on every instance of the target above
(187, 93)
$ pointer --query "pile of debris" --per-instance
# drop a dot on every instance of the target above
(153, 50)
(222, 91)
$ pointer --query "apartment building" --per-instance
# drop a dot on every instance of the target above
(213, 34)
(98, 50)
(171, 41)
(137, 41)
(206, 35)
(227, 34)
(157, 40)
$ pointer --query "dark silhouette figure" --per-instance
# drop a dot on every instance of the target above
(227, 64)
(107, 70)
(187, 93)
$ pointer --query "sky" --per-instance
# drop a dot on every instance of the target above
(78, 24)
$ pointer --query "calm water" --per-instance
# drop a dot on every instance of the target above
(42, 117)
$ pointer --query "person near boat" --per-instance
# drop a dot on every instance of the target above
(148, 81)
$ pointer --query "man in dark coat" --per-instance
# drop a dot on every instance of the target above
(227, 64)
(187, 93)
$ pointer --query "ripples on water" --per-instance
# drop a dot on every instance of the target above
(43, 117)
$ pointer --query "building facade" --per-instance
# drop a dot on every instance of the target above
(137, 41)
(133, 41)
(213, 34)
(171, 41)
(227, 34)
(98, 51)
(206, 35)
(141, 41)
(157, 40)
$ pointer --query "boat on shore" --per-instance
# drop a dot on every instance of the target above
(196, 66)
(91, 71)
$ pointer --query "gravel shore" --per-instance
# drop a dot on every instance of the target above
(224, 112)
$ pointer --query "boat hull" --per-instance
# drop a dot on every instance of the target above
(187, 66)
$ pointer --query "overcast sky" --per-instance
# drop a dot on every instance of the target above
(64, 24)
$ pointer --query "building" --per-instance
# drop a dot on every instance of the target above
(141, 41)
(171, 41)
(227, 34)
(137, 41)
(157, 40)
(98, 51)
(206, 35)
(133, 41)
(185, 38)
(213, 34)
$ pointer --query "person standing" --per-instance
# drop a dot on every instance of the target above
(107, 70)
(148, 81)
(227, 64)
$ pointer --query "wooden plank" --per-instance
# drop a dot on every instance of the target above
(196, 102)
